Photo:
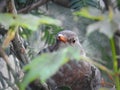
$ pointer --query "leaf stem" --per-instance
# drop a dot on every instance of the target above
(115, 64)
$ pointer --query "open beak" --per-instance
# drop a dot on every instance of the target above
(62, 38)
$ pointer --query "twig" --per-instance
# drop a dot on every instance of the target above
(34, 5)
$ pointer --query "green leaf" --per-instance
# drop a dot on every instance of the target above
(47, 64)
(106, 27)
(43, 66)
(91, 13)
(78, 4)
(30, 21)
(108, 23)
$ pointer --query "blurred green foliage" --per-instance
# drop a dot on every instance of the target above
(27, 21)
(108, 22)
(47, 64)
(27, 24)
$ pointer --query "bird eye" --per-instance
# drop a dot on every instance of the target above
(73, 41)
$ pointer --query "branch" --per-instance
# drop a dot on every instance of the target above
(11, 7)
(33, 6)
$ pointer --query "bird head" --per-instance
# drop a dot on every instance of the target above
(69, 38)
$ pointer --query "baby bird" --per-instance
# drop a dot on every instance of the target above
(77, 75)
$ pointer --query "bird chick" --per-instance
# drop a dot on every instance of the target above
(78, 75)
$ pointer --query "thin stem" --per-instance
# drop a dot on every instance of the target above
(115, 64)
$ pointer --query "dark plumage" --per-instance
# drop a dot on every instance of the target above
(78, 75)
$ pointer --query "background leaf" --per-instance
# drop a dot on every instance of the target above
(29, 21)
(91, 13)
(47, 64)
(78, 4)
